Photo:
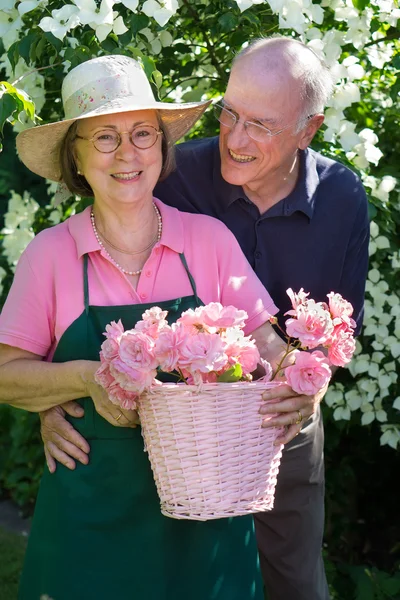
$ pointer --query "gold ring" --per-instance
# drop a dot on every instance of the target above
(299, 420)
(119, 416)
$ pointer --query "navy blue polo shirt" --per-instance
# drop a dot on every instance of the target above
(315, 238)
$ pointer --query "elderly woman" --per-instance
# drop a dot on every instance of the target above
(98, 533)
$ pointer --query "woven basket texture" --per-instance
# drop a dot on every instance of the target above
(209, 454)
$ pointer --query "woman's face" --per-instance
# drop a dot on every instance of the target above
(128, 174)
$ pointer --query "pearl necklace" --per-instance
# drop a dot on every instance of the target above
(157, 239)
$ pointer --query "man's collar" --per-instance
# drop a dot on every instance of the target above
(302, 198)
(80, 228)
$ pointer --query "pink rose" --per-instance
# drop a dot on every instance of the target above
(309, 374)
(122, 398)
(342, 348)
(109, 349)
(338, 306)
(103, 376)
(132, 379)
(203, 352)
(220, 317)
(136, 349)
(168, 346)
(312, 325)
(192, 320)
(297, 299)
(114, 330)
(153, 321)
(247, 355)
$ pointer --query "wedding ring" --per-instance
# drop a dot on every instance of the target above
(299, 420)
(119, 416)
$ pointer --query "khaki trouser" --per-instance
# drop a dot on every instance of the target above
(290, 536)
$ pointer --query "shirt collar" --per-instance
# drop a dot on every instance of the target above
(302, 198)
(80, 228)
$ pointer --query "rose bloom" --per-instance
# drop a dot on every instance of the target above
(132, 379)
(136, 349)
(114, 330)
(110, 349)
(192, 319)
(122, 398)
(221, 317)
(153, 321)
(309, 374)
(203, 352)
(313, 325)
(103, 376)
(247, 355)
(168, 346)
(297, 299)
(342, 348)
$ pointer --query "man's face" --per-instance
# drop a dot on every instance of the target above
(269, 98)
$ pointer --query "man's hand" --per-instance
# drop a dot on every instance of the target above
(291, 410)
(61, 441)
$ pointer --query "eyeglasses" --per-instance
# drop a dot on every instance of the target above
(259, 133)
(108, 140)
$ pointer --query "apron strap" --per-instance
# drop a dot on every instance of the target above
(192, 281)
(85, 283)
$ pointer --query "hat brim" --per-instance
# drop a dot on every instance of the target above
(39, 147)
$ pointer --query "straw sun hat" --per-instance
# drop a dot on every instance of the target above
(101, 86)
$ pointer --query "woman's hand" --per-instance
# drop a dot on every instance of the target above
(104, 407)
(291, 410)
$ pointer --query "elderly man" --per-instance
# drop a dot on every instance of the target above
(301, 220)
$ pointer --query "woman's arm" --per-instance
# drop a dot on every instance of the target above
(27, 382)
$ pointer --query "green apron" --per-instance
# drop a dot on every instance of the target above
(97, 531)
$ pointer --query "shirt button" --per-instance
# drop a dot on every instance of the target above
(143, 296)
(148, 273)
(157, 250)
(258, 254)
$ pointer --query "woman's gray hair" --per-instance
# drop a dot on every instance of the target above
(314, 75)
(77, 183)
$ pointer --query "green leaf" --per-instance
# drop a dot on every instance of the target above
(157, 78)
(372, 211)
(8, 106)
(13, 55)
(233, 374)
(41, 46)
(109, 44)
(25, 46)
(228, 22)
(138, 22)
(55, 42)
(361, 4)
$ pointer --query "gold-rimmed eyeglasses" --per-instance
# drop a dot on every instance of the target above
(108, 140)
(257, 132)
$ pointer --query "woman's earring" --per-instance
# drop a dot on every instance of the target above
(79, 172)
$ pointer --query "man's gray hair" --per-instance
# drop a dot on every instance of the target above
(314, 75)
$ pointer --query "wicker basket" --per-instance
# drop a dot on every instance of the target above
(209, 454)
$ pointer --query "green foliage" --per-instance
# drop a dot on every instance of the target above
(12, 550)
(21, 455)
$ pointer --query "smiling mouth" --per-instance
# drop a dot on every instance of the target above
(126, 176)
(241, 158)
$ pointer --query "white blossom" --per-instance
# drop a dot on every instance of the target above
(10, 25)
(160, 11)
(29, 5)
(390, 436)
(61, 21)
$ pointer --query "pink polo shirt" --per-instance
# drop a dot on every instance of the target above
(47, 292)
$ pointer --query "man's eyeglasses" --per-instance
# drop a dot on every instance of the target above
(257, 132)
(108, 140)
